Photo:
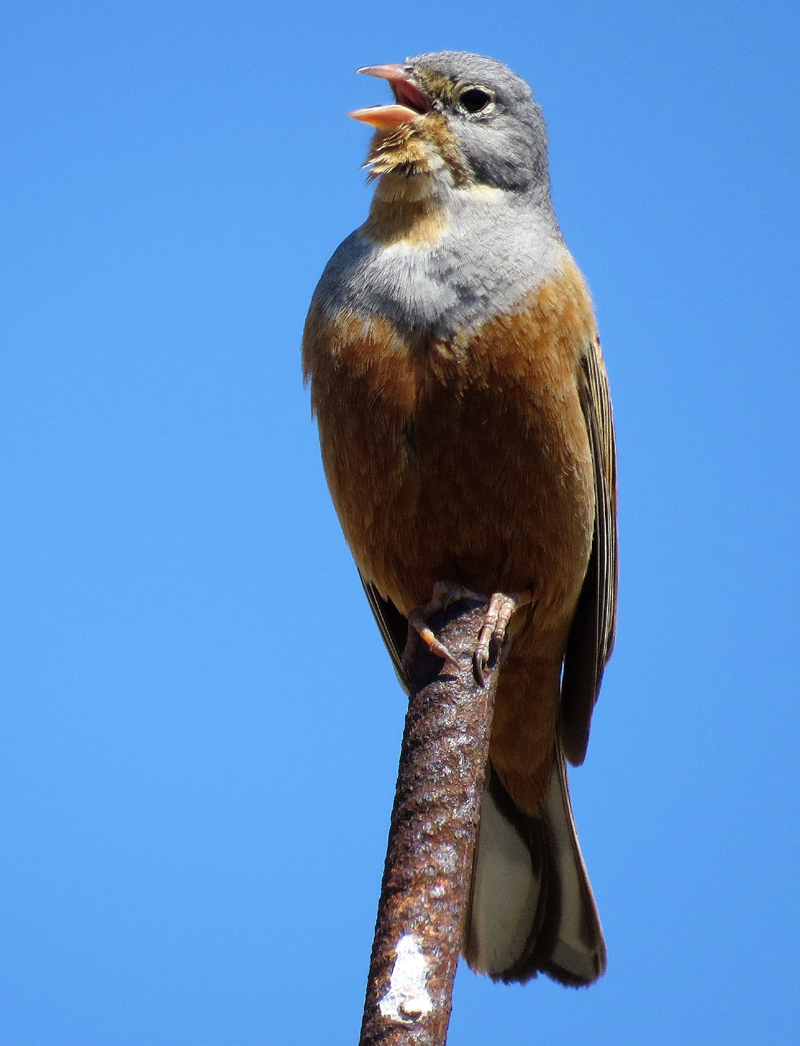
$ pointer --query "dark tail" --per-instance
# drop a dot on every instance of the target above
(531, 908)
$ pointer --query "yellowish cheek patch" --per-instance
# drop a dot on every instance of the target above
(487, 191)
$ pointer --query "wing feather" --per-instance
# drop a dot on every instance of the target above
(591, 636)
(392, 624)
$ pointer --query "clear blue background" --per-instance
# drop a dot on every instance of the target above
(199, 725)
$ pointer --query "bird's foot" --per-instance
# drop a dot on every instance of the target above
(493, 633)
(444, 595)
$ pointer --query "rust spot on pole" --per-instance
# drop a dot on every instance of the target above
(426, 879)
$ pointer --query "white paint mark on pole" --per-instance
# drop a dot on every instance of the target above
(407, 998)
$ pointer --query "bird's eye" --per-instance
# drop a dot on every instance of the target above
(475, 99)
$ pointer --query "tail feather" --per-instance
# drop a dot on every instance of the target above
(531, 906)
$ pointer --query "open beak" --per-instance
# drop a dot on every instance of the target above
(410, 101)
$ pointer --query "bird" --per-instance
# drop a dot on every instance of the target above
(467, 440)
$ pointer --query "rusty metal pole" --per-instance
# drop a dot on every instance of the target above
(426, 879)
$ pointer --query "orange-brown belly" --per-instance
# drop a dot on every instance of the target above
(469, 462)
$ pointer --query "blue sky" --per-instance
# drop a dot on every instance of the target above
(199, 726)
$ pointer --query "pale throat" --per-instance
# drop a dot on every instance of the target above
(417, 170)
(408, 208)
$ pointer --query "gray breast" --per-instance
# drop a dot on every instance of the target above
(492, 255)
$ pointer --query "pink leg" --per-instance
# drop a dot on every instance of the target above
(492, 636)
(493, 633)
(444, 595)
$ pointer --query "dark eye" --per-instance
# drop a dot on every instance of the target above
(475, 99)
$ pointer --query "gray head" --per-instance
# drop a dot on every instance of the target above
(489, 116)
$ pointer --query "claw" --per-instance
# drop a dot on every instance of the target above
(418, 629)
(479, 665)
(493, 634)
(444, 595)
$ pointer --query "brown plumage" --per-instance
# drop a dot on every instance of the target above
(479, 452)
(492, 411)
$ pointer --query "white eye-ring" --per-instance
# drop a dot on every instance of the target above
(474, 99)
